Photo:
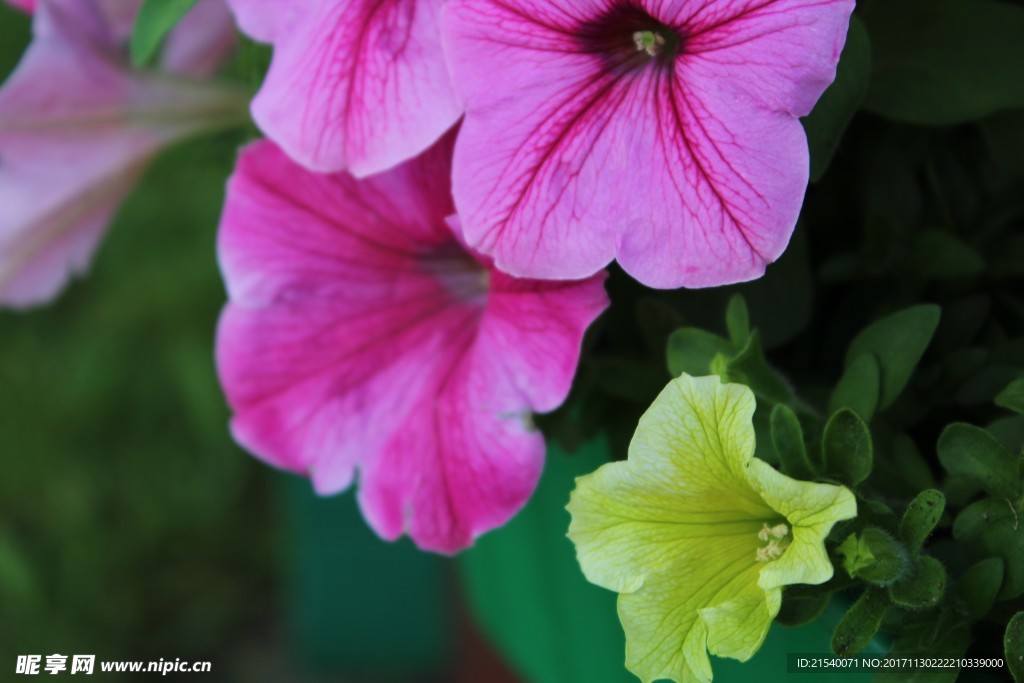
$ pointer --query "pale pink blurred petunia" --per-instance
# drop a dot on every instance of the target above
(663, 133)
(24, 5)
(78, 127)
(363, 338)
(358, 86)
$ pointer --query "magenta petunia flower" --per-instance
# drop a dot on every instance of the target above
(362, 336)
(663, 133)
(78, 127)
(358, 86)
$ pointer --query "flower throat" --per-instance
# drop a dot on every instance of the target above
(627, 38)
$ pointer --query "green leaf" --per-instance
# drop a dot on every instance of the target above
(1012, 397)
(155, 20)
(979, 585)
(920, 519)
(897, 341)
(858, 388)
(1013, 645)
(1004, 137)
(737, 321)
(631, 380)
(975, 454)
(1008, 431)
(994, 527)
(910, 465)
(788, 440)
(781, 303)
(526, 589)
(802, 608)
(941, 255)
(923, 588)
(950, 637)
(846, 447)
(832, 114)
(691, 350)
(942, 62)
(860, 624)
(750, 367)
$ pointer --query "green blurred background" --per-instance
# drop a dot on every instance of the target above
(131, 527)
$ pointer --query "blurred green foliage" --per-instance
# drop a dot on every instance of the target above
(130, 525)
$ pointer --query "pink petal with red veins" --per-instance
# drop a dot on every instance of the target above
(77, 128)
(682, 166)
(783, 53)
(362, 337)
(358, 86)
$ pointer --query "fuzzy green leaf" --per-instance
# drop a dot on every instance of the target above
(846, 446)
(920, 519)
(1013, 645)
(994, 528)
(750, 367)
(923, 588)
(978, 587)
(802, 608)
(897, 341)
(788, 440)
(1012, 397)
(975, 454)
(858, 389)
(691, 350)
(860, 624)
(737, 321)
(941, 255)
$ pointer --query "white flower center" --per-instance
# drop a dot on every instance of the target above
(776, 539)
(649, 42)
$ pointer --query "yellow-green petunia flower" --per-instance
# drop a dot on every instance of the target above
(697, 535)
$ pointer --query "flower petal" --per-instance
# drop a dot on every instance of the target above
(28, 6)
(359, 86)
(684, 481)
(782, 53)
(690, 531)
(671, 623)
(691, 174)
(261, 19)
(811, 510)
(355, 340)
(201, 41)
(77, 128)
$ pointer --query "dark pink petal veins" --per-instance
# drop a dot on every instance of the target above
(663, 134)
(358, 86)
(362, 337)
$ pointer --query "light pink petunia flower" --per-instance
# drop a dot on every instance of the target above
(78, 127)
(358, 86)
(24, 5)
(663, 133)
(362, 336)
